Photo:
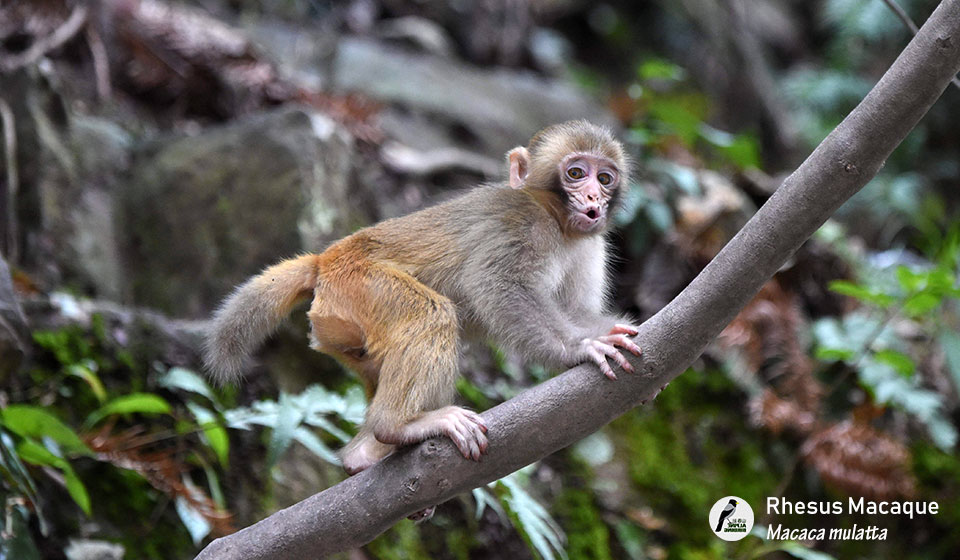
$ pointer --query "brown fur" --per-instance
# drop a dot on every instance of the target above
(390, 301)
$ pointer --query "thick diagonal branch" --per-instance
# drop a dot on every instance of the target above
(558, 412)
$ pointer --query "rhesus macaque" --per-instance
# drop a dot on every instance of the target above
(521, 262)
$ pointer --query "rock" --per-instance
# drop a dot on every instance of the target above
(204, 212)
(431, 100)
(499, 106)
(70, 166)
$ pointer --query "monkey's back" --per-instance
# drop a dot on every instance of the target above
(449, 246)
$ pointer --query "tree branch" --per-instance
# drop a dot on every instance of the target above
(562, 410)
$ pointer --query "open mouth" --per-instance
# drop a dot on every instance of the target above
(586, 220)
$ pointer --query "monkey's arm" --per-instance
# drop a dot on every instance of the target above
(524, 316)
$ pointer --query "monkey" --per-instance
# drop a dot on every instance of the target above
(522, 262)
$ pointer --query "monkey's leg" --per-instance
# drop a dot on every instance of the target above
(413, 332)
(343, 339)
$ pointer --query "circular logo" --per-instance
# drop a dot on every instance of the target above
(731, 518)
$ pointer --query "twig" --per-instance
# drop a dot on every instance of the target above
(60, 36)
(13, 179)
(101, 62)
(902, 14)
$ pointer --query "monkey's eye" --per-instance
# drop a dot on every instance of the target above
(605, 178)
(576, 173)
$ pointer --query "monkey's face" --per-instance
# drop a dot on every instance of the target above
(590, 182)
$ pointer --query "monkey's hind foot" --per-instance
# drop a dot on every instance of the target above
(422, 515)
(362, 452)
(466, 428)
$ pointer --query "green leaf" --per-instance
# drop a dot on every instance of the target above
(898, 360)
(213, 483)
(35, 422)
(76, 489)
(744, 151)
(289, 416)
(213, 432)
(680, 115)
(833, 354)
(315, 445)
(19, 478)
(32, 452)
(862, 293)
(484, 498)
(142, 403)
(909, 280)
(659, 69)
(545, 535)
(88, 375)
(187, 380)
(921, 304)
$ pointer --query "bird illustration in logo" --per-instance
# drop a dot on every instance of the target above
(727, 512)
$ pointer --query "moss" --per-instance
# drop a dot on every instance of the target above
(938, 474)
(689, 449)
(458, 541)
(402, 542)
(587, 535)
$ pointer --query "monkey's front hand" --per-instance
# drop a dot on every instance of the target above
(598, 349)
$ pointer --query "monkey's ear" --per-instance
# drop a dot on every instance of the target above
(519, 159)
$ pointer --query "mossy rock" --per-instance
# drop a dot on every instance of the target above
(204, 212)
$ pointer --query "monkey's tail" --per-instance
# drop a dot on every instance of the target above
(253, 311)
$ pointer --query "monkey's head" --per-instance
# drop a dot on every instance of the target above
(580, 163)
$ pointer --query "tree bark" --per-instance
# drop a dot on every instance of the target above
(562, 410)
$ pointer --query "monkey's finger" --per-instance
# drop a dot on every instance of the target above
(474, 449)
(622, 328)
(623, 342)
(476, 419)
(484, 443)
(601, 362)
(478, 443)
(611, 352)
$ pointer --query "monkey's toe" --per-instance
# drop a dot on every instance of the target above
(466, 429)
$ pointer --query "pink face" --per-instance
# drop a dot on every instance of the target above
(590, 182)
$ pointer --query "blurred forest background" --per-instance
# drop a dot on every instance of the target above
(156, 153)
